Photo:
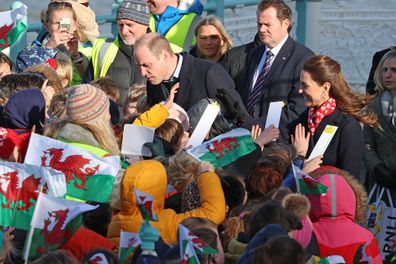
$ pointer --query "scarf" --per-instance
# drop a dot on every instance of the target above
(316, 115)
(388, 107)
(172, 15)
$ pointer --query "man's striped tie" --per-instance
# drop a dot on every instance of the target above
(254, 95)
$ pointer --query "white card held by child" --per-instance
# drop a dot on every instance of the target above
(274, 114)
(204, 124)
(134, 138)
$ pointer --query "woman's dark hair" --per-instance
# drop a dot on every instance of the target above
(5, 59)
(98, 220)
(324, 69)
(272, 212)
(279, 250)
(15, 82)
(234, 191)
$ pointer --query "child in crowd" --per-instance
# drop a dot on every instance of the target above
(5, 65)
(64, 69)
(107, 85)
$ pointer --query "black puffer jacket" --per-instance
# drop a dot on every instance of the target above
(234, 61)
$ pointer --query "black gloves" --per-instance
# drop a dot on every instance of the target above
(383, 176)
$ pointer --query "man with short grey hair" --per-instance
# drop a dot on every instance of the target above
(114, 57)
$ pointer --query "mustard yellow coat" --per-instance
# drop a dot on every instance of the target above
(149, 176)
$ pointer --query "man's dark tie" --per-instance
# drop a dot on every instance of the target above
(254, 95)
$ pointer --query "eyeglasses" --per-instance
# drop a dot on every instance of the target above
(59, 5)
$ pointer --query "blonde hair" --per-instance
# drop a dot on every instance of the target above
(182, 168)
(99, 128)
(215, 21)
(378, 80)
(50, 74)
(64, 68)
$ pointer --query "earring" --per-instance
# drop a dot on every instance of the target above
(324, 97)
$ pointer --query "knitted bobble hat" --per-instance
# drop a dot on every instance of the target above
(85, 102)
(135, 10)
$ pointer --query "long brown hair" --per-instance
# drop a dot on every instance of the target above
(324, 69)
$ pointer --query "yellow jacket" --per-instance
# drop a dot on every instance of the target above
(154, 117)
(149, 176)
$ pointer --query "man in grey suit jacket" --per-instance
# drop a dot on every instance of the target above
(273, 72)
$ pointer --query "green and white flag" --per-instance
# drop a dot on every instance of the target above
(146, 205)
(128, 242)
(20, 185)
(187, 251)
(195, 241)
(225, 148)
(55, 220)
(88, 177)
(306, 184)
(12, 26)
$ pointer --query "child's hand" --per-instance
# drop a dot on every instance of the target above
(47, 90)
(313, 164)
(169, 102)
(266, 136)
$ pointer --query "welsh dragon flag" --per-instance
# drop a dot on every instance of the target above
(54, 221)
(190, 243)
(20, 185)
(146, 205)
(306, 184)
(88, 177)
(12, 26)
(128, 242)
(225, 148)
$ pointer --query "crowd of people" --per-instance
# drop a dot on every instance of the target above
(162, 70)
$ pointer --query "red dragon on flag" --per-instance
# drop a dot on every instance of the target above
(15, 189)
(225, 145)
(72, 166)
(4, 30)
(57, 234)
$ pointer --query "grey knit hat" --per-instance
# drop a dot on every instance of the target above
(135, 10)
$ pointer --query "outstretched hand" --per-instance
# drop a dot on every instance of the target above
(169, 102)
(264, 137)
(300, 141)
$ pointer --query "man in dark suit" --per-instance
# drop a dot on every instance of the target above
(370, 86)
(198, 78)
(273, 71)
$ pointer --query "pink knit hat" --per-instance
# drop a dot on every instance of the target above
(85, 102)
